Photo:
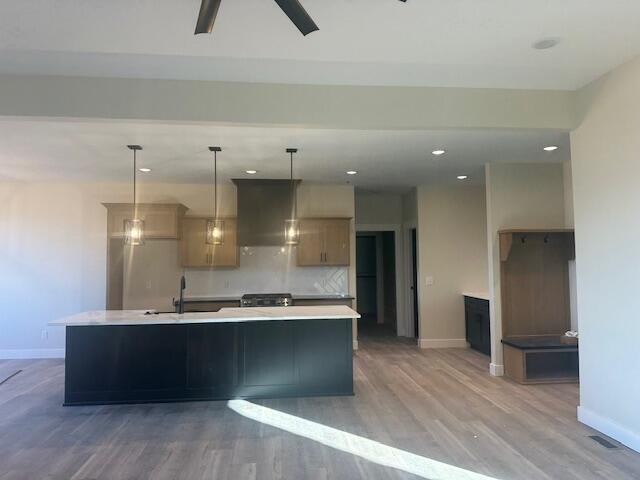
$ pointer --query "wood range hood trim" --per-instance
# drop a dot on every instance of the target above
(263, 206)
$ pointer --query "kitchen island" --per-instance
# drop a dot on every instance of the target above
(133, 356)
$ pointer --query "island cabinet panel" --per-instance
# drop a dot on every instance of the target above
(212, 360)
(269, 354)
(321, 357)
(208, 361)
(116, 363)
(324, 242)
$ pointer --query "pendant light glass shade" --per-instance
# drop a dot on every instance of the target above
(292, 226)
(215, 227)
(134, 228)
(134, 232)
(291, 231)
(215, 232)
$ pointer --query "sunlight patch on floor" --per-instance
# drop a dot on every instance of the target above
(362, 447)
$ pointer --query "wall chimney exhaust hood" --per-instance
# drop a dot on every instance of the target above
(263, 207)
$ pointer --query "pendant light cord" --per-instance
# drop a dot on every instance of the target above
(293, 192)
(134, 184)
(215, 185)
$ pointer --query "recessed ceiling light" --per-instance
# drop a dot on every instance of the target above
(550, 148)
(351, 172)
(145, 170)
(546, 43)
(251, 172)
(438, 152)
(462, 177)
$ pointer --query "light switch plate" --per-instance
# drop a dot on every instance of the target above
(429, 281)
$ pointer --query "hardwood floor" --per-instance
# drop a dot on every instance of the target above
(438, 404)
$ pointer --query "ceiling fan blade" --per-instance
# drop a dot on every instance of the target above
(298, 16)
(207, 16)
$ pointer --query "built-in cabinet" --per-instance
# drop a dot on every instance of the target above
(535, 296)
(477, 323)
(324, 242)
(195, 252)
(161, 221)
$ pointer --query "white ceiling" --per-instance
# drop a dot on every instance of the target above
(59, 151)
(467, 43)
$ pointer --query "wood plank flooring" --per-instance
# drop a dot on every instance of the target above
(438, 404)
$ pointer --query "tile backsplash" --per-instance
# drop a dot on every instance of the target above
(267, 270)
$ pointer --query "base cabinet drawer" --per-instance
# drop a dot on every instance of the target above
(557, 365)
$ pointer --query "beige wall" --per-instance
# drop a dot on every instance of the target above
(378, 209)
(452, 250)
(325, 106)
(518, 196)
(606, 167)
(409, 207)
(567, 181)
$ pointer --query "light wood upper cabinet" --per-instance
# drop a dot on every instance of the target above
(195, 252)
(311, 245)
(324, 242)
(161, 221)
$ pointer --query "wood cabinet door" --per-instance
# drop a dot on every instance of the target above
(193, 246)
(336, 242)
(311, 245)
(160, 221)
(227, 254)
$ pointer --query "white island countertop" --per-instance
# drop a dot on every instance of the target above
(225, 315)
(480, 295)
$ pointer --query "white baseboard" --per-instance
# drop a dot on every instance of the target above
(496, 370)
(355, 344)
(29, 353)
(443, 343)
(609, 428)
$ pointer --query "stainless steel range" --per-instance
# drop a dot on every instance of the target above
(266, 300)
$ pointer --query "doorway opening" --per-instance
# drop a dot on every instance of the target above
(414, 282)
(376, 283)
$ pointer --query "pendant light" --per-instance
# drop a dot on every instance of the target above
(292, 226)
(134, 227)
(215, 227)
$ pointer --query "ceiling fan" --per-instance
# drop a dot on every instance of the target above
(292, 8)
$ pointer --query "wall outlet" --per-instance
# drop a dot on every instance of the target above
(148, 284)
(44, 334)
(226, 284)
(428, 281)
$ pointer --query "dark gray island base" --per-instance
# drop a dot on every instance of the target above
(108, 364)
